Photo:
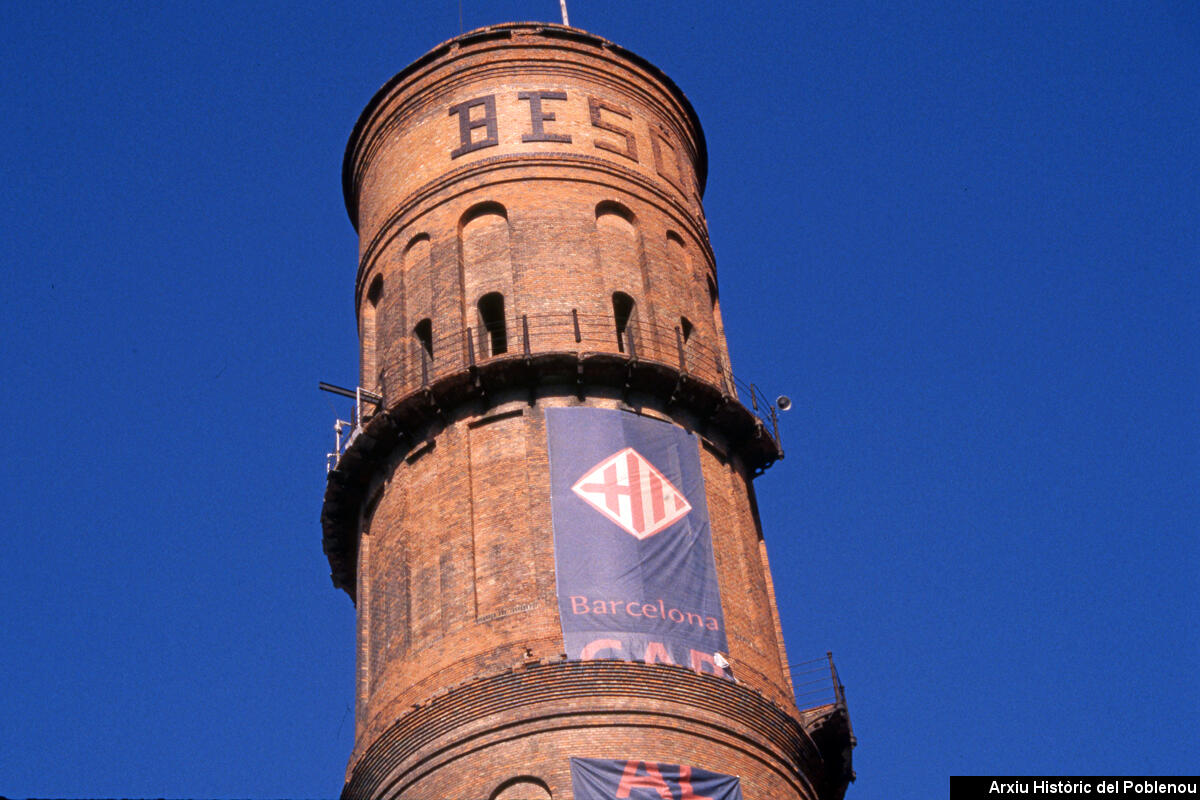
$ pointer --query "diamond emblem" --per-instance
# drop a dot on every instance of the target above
(627, 489)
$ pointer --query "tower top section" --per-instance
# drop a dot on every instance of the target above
(450, 94)
(528, 201)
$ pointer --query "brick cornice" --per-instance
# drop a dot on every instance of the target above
(530, 700)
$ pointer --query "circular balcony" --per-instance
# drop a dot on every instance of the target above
(501, 351)
(563, 352)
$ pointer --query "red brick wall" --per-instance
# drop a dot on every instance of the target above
(457, 578)
(456, 562)
(452, 746)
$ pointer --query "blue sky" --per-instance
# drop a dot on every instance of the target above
(963, 237)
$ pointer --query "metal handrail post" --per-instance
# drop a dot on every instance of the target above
(839, 691)
(721, 373)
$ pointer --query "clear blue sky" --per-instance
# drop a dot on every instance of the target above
(963, 237)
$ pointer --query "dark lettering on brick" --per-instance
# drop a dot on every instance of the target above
(539, 117)
(466, 125)
(594, 108)
(660, 138)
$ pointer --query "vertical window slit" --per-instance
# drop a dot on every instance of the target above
(424, 333)
(491, 319)
(623, 306)
(370, 335)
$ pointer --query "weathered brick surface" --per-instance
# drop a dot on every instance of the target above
(455, 571)
(451, 747)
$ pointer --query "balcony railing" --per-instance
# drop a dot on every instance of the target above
(527, 335)
(424, 361)
(817, 685)
(821, 701)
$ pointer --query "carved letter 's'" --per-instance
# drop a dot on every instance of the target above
(594, 108)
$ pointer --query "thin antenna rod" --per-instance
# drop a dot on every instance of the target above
(566, 21)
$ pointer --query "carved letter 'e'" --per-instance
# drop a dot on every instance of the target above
(538, 118)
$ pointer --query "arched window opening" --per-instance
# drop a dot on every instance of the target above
(618, 246)
(491, 320)
(416, 252)
(424, 333)
(525, 787)
(485, 259)
(722, 358)
(483, 240)
(685, 327)
(370, 337)
(376, 291)
(488, 207)
(623, 308)
(609, 211)
(677, 252)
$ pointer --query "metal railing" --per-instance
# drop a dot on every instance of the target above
(342, 440)
(816, 684)
(424, 361)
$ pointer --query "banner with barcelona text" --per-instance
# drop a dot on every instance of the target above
(632, 545)
(631, 779)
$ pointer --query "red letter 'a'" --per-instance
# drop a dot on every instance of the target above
(657, 653)
(653, 779)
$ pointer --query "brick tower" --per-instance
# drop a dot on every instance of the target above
(545, 515)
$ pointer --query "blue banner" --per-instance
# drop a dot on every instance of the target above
(605, 779)
(632, 545)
